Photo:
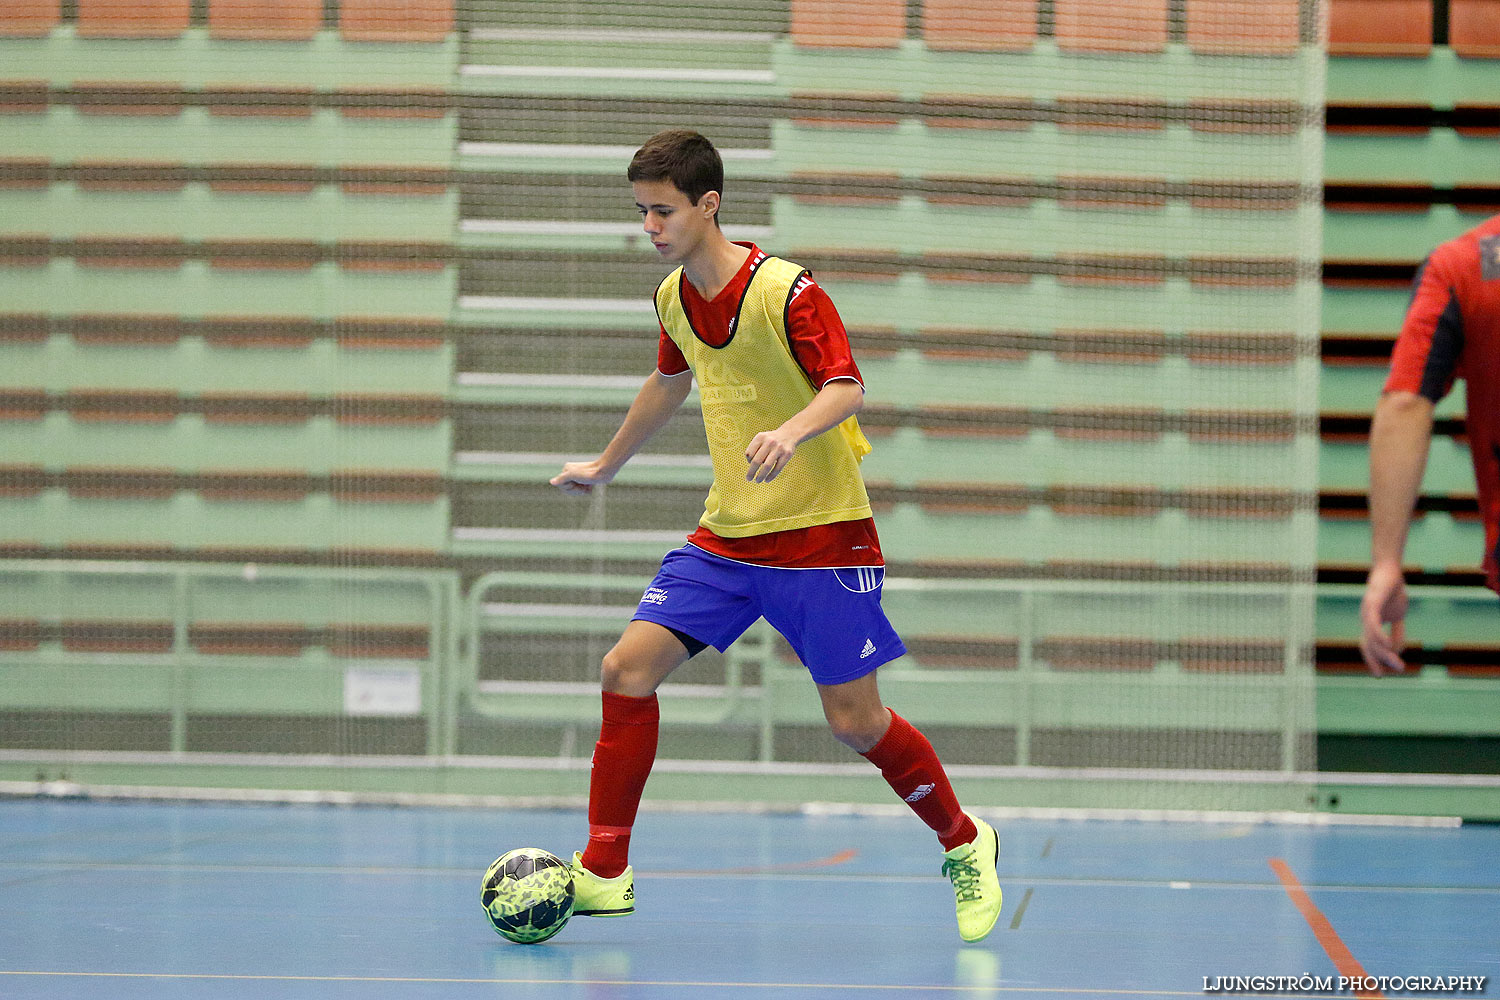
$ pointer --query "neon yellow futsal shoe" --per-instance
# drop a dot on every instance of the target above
(976, 885)
(594, 896)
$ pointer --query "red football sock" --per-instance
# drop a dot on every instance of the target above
(622, 762)
(911, 767)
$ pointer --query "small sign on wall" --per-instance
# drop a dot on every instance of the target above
(382, 691)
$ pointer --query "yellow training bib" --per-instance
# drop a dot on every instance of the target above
(752, 384)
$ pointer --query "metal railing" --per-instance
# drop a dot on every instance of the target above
(181, 678)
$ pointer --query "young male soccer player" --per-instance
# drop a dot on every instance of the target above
(786, 532)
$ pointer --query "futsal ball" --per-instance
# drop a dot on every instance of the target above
(527, 894)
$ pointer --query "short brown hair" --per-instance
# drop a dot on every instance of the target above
(683, 157)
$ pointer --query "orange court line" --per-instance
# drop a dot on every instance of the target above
(1343, 958)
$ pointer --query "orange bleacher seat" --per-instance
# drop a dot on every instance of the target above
(1474, 28)
(858, 24)
(1121, 26)
(133, 18)
(396, 20)
(29, 17)
(286, 20)
(996, 25)
(1244, 27)
(1379, 27)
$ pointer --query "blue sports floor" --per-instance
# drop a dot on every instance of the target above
(160, 901)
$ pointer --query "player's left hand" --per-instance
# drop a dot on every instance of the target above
(768, 453)
(1384, 603)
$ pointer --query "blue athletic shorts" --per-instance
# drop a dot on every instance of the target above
(832, 617)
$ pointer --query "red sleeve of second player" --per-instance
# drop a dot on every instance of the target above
(669, 359)
(817, 335)
(1425, 358)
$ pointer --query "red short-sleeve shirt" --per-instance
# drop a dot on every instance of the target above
(1452, 331)
(820, 344)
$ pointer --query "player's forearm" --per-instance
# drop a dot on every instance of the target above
(1399, 438)
(836, 402)
(654, 404)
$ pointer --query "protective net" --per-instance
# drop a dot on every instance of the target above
(317, 296)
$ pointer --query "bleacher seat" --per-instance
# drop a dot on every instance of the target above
(29, 17)
(24, 327)
(133, 18)
(851, 24)
(133, 98)
(21, 634)
(1122, 26)
(963, 652)
(968, 25)
(407, 102)
(1459, 659)
(396, 20)
(279, 20)
(106, 636)
(137, 253)
(1379, 27)
(122, 405)
(128, 175)
(1474, 28)
(258, 101)
(1244, 27)
(24, 97)
(257, 638)
(820, 110)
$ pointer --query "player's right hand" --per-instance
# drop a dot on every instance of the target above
(1384, 604)
(580, 478)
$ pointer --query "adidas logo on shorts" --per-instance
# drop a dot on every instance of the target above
(869, 650)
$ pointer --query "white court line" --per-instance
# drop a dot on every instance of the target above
(660, 73)
(770, 875)
(525, 150)
(74, 790)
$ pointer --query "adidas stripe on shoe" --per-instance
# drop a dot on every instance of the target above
(594, 896)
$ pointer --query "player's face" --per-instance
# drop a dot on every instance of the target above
(675, 225)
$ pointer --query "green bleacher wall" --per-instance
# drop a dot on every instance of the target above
(293, 330)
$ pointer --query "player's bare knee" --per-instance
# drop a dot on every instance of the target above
(623, 674)
(857, 730)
